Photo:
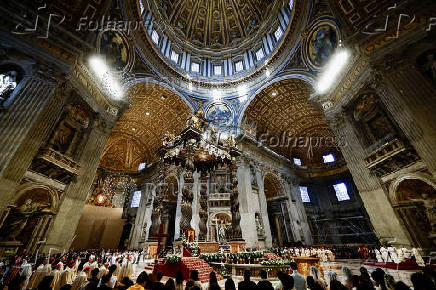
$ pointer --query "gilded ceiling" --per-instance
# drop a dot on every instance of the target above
(283, 109)
(153, 111)
(215, 23)
(272, 187)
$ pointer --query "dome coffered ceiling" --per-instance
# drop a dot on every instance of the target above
(153, 111)
(283, 109)
(216, 24)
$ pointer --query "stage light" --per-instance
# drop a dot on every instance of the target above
(333, 69)
(106, 78)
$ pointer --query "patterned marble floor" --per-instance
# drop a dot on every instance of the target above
(336, 266)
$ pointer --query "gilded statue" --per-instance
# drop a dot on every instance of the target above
(18, 218)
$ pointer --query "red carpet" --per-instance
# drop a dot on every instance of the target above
(186, 265)
(409, 265)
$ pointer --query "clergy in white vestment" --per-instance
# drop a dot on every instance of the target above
(378, 256)
(91, 264)
(385, 254)
(103, 270)
(81, 279)
(56, 273)
(36, 277)
(418, 257)
(76, 266)
(393, 254)
(126, 268)
(67, 276)
(26, 271)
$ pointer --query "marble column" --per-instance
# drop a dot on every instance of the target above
(149, 212)
(386, 223)
(264, 209)
(24, 125)
(62, 230)
(179, 208)
(247, 204)
(138, 231)
(411, 100)
(195, 221)
(300, 224)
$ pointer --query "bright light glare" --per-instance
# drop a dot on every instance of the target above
(224, 136)
(333, 69)
(103, 73)
(216, 94)
(242, 90)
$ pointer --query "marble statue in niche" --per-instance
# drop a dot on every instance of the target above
(253, 175)
(8, 82)
(259, 225)
(374, 121)
(18, 218)
(70, 130)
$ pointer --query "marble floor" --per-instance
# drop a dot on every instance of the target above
(336, 266)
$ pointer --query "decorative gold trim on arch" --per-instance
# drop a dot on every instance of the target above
(394, 185)
(28, 186)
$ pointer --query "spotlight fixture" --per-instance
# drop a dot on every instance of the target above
(335, 66)
(163, 97)
(133, 129)
(147, 113)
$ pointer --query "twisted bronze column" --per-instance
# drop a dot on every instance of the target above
(186, 206)
(203, 206)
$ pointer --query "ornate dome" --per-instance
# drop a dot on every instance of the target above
(214, 42)
(216, 24)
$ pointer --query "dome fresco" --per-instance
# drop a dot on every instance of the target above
(214, 41)
(215, 24)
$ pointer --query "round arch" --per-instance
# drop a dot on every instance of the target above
(33, 189)
(300, 75)
(273, 186)
(393, 188)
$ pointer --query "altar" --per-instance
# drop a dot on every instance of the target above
(304, 264)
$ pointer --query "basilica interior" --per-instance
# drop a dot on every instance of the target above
(239, 126)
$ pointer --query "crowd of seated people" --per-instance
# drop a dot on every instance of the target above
(99, 270)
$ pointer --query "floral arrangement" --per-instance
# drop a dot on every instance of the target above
(217, 257)
(223, 271)
(192, 246)
(173, 258)
(274, 263)
(271, 256)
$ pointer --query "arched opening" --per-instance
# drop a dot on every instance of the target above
(10, 77)
(26, 221)
(414, 201)
(283, 118)
(220, 224)
(277, 208)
